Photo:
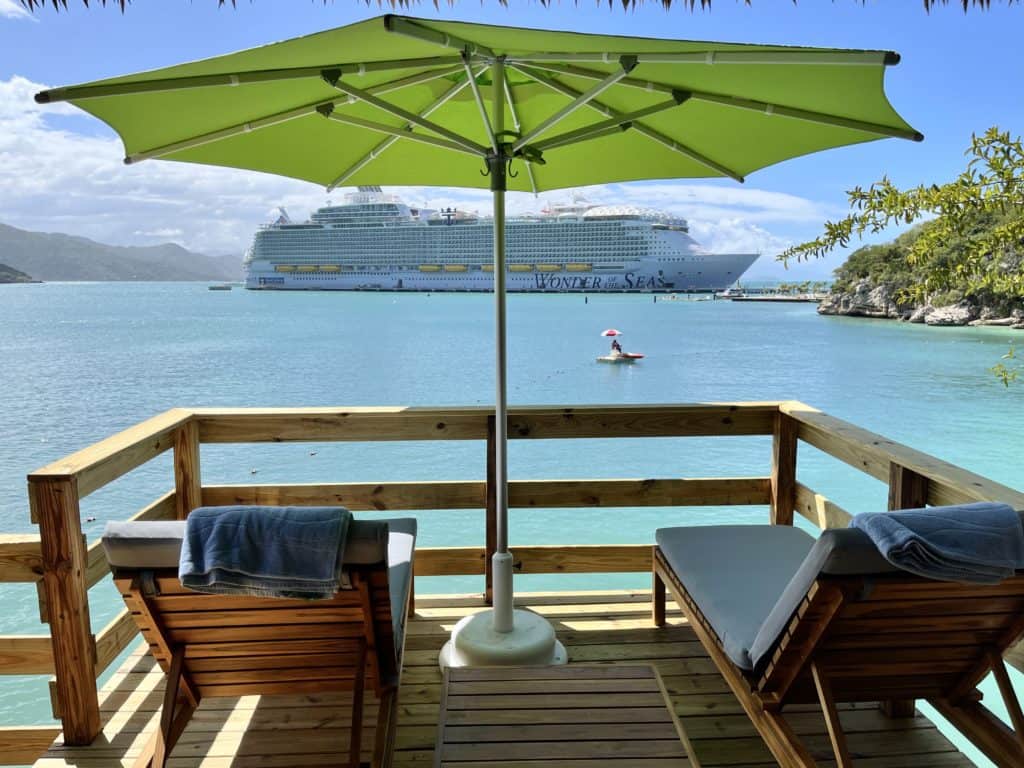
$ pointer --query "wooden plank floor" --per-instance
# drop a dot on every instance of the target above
(596, 628)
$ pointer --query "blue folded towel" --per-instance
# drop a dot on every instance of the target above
(980, 543)
(264, 551)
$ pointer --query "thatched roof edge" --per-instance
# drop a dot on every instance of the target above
(692, 5)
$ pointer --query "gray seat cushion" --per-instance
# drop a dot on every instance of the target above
(144, 544)
(152, 545)
(748, 580)
(735, 574)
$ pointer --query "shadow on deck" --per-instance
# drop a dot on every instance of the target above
(597, 628)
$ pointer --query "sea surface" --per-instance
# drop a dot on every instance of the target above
(79, 362)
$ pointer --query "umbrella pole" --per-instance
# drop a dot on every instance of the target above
(501, 636)
(501, 561)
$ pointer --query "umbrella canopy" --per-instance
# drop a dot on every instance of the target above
(385, 101)
(398, 100)
(611, 332)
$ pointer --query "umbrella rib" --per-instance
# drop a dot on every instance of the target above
(374, 153)
(232, 79)
(518, 126)
(753, 105)
(605, 127)
(280, 117)
(712, 57)
(626, 63)
(405, 114)
(616, 127)
(410, 28)
(400, 132)
(479, 101)
(639, 127)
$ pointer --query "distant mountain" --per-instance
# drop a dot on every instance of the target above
(11, 275)
(55, 256)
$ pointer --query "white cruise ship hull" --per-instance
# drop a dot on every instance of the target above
(376, 243)
(637, 277)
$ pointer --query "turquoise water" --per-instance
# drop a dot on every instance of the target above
(79, 362)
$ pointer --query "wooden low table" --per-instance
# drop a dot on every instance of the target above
(604, 715)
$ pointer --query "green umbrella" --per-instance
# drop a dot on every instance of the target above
(398, 100)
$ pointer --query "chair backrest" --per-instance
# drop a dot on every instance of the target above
(892, 636)
(236, 645)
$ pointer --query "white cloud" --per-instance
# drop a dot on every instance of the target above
(736, 235)
(163, 233)
(62, 171)
(12, 9)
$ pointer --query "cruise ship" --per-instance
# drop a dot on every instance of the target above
(375, 242)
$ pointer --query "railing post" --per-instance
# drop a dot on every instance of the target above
(54, 505)
(784, 440)
(187, 479)
(907, 490)
(490, 513)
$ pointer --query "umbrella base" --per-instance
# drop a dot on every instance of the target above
(475, 643)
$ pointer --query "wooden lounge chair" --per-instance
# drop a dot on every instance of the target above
(228, 645)
(790, 620)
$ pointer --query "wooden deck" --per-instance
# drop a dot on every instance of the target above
(596, 627)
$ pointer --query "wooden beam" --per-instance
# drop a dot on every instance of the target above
(64, 564)
(114, 638)
(658, 594)
(986, 731)
(1015, 657)
(654, 492)
(872, 453)
(187, 476)
(783, 477)
(23, 745)
(449, 561)
(801, 637)
(261, 425)
(580, 558)
(907, 489)
(255, 425)
(1010, 699)
(165, 738)
(819, 510)
(832, 724)
(355, 496)
(458, 494)
(26, 655)
(689, 420)
(107, 460)
(21, 558)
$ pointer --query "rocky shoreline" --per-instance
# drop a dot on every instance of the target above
(880, 301)
(12, 275)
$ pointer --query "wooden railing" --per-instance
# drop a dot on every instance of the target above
(65, 566)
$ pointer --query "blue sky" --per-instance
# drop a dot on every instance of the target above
(59, 171)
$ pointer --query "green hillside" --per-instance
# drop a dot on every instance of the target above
(12, 275)
(60, 257)
(888, 265)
